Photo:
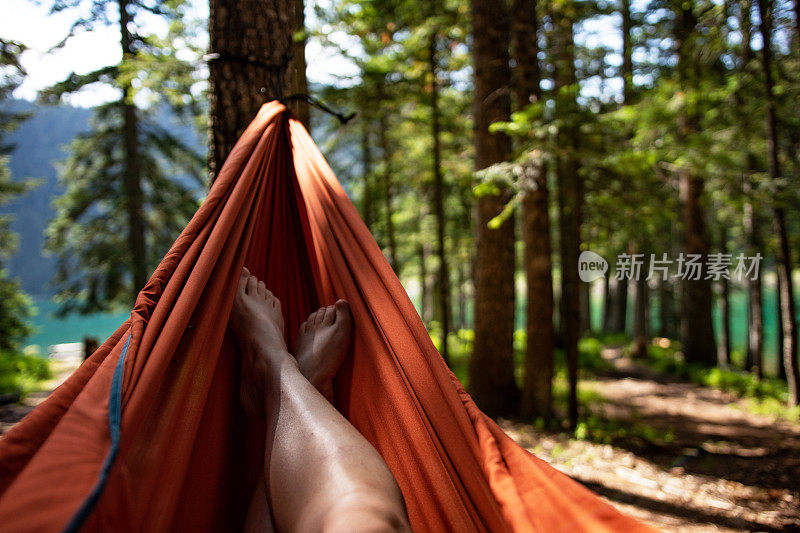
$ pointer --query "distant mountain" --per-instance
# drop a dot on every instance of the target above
(40, 143)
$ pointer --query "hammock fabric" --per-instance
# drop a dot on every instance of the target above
(147, 435)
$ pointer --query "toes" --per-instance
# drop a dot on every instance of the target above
(330, 314)
(303, 328)
(252, 285)
(343, 315)
(319, 315)
(262, 289)
(243, 277)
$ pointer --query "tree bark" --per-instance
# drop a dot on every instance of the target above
(619, 309)
(424, 280)
(366, 169)
(250, 49)
(641, 306)
(570, 198)
(606, 303)
(585, 290)
(492, 364)
(537, 389)
(697, 327)
(462, 295)
(755, 320)
(524, 35)
(784, 262)
(443, 281)
(627, 51)
(388, 189)
(537, 395)
(132, 174)
(298, 67)
(779, 331)
(724, 348)
(666, 302)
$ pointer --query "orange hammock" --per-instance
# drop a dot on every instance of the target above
(147, 435)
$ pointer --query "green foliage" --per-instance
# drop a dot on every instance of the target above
(765, 396)
(590, 359)
(16, 310)
(91, 232)
(595, 428)
(15, 305)
(21, 373)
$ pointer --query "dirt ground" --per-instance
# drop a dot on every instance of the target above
(722, 469)
(11, 414)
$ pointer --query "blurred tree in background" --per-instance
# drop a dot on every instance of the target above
(128, 182)
(15, 305)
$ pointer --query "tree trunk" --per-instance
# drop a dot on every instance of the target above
(640, 313)
(606, 303)
(569, 216)
(443, 281)
(492, 364)
(697, 327)
(298, 68)
(779, 330)
(462, 295)
(366, 168)
(424, 283)
(784, 262)
(666, 301)
(537, 386)
(627, 51)
(755, 330)
(524, 31)
(586, 308)
(755, 320)
(570, 198)
(250, 49)
(619, 309)
(388, 190)
(754, 352)
(132, 174)
(724, 349)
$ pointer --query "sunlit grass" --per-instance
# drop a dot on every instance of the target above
(765, 396)
(22, 373)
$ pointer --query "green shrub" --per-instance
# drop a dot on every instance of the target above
(22, 372)
(767, 395)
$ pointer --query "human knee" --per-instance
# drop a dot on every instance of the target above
(365, 513)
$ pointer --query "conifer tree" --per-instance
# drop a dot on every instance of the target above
(127, 181)
(15, 305)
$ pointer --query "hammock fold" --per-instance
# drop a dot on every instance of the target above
(148, 435)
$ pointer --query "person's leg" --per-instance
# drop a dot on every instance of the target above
(320, 472)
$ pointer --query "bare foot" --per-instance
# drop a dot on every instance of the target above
(257, 322)
(323, 344)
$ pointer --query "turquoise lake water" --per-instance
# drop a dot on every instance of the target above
(52, 330)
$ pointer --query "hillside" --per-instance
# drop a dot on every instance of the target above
(40, 144)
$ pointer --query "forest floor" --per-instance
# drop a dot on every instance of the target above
(12, 413)
(678, 456)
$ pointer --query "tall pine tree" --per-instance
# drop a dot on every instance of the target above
(15, 305)
(127, 181)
